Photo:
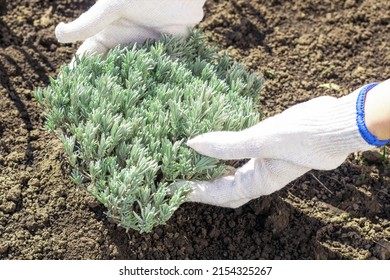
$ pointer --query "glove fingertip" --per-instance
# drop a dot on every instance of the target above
(221, 145)
(195, 143)
(204, 146)
(60, 33)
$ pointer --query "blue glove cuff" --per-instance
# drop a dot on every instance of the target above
(365, 133)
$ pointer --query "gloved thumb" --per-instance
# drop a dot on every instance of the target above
(89, 23)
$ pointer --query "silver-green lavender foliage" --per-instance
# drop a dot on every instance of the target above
(124, 122)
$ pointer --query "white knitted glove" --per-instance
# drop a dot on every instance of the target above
(318, 134)
(120, 22)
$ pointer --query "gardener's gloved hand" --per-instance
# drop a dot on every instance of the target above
(120, 22)
(318, 134)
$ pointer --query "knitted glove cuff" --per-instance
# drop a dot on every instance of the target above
(337, 129)
(360, 118)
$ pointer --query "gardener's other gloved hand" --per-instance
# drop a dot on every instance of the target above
(120, 22)
(318, 134)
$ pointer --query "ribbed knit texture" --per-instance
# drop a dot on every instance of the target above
(360, 118)
(256, 178)
(110, 23)
(318, 134)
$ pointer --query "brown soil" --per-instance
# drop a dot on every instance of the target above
(303, 48)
